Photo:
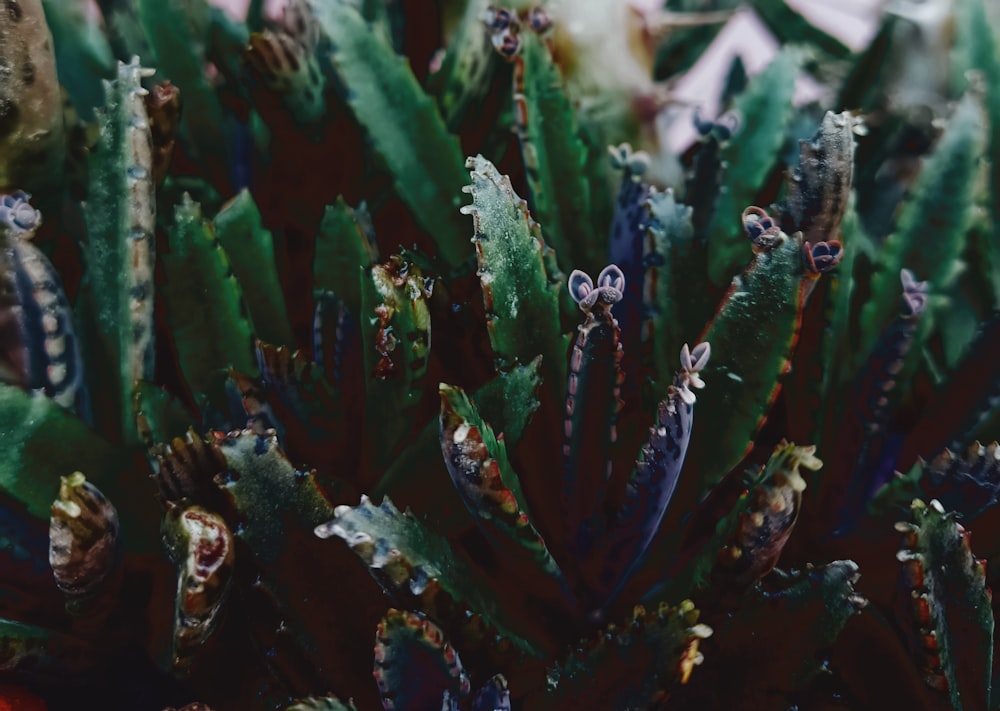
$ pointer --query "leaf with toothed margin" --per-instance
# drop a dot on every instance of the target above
(204, 302)
(964, 481)
(635, 665)
(467, 67)
(396, 341)
(405, 558)
(177, 32)
(554, 155)
(273, 508)
(479, 468)
(344, 246)
(522, 307)
(402, 122)
(119, 253)
(767, 108)
(250, 249)
(773, 644)
(508, 401)
(930, 234)
(752, 336)
(651, 485)
(948, 611)
(415, 666)
(591, 415)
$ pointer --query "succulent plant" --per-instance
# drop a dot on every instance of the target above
(344, 365)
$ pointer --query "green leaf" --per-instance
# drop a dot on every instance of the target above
(630, 666)
(930, 234)
(250, 249)
(949, 598)
(402, 122)
(42, 442)
(752, 337)
(765, 109)
(160, 415)
(345, 246)
(522, 306)
(204, 303)
(468, 66)
(491, 491)
(555, 159)
(396, 341)
(120, 252)
(404, 557)
(508, 401)
(83, 55)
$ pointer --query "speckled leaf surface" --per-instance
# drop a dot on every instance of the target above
(752, 338)
(522, 305)
(119, 252)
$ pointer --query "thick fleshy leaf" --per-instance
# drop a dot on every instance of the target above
(796, 624)
(484, 478)
(415, 666)
(467, 67)
(752, 336)
(651, 485)
(412, 564)
(508, 401)
(31, 464)
(250, 249)
(402, 122)
(522, 307)
(396, 342)
(592, 406)
(43, 345)
(83, 55)
(633, 666)
(930, 233)
(120, 252)
(864, 450)
(766, 108)
(964, 481)
(947, 609)
(553, 154)
(345, 246)
(819, 188)
(201, 547)
(203, 297)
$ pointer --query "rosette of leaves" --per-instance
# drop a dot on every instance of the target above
(233, 354)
